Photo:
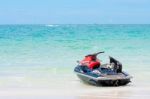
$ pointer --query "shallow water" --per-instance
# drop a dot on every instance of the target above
(42, 57)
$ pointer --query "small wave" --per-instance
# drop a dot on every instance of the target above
(51, 25)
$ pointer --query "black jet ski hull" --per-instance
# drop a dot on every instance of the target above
(102, 82)
(107, 77)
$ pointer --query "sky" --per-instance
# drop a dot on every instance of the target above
(74, 11)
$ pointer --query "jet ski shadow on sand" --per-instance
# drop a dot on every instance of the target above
(90, 70)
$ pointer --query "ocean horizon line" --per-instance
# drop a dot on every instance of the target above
(76, 24)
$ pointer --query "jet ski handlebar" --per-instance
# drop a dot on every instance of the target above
(95, 54)
(98, 53)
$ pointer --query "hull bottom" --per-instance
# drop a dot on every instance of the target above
(119, 82)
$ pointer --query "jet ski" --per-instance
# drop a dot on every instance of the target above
(91, 71)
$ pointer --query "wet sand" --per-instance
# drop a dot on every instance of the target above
(78, 90)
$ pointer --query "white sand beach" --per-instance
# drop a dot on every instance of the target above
(73, 88)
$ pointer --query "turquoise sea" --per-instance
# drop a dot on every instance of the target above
(44, 56)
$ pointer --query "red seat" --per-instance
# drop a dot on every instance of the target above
(91, 61)
(94, 64)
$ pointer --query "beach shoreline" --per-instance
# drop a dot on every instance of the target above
(131, 91)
